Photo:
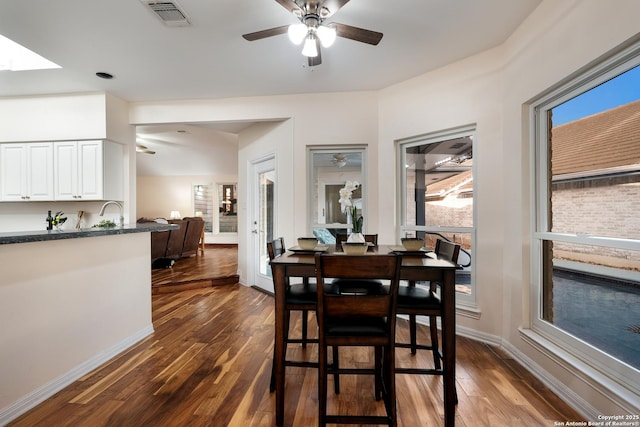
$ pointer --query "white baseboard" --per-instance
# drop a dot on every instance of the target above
(570, 395)
(567, 394)
(31, 400)
(606, 391)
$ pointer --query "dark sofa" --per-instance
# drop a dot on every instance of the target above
(178, 243)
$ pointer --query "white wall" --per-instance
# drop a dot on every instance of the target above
(31, 216)
(67, 118)
(159, 195)
(67, 306)
(491, 90)
(53, 118)
(315, 119)
(557, 41)
(467, 92)
(276, 140)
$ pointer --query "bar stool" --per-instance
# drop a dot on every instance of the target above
(299, 297)
(414, 301)
(366, 318)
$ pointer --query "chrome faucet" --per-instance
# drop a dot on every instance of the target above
(112, 202)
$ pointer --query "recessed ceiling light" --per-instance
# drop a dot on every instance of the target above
(15, 57)
(104, 75)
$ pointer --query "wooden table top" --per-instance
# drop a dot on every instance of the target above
(426, 259)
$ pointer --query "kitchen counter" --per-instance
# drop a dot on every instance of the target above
(69, 301)
(44, 235)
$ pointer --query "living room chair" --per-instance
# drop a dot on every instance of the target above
(298, 297)
(361, 315)
(418, 301)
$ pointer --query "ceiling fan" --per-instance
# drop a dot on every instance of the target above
(312, 31)
(143, 149)
(339, 160)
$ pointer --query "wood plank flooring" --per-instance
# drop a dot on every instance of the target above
(218, 265)
(208, 364)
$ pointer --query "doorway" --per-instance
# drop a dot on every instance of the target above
(262, 219)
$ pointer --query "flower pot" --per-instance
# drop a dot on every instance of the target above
(355, 238)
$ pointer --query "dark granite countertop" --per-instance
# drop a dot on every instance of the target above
(41, 236)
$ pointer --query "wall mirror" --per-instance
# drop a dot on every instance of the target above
(329, 169)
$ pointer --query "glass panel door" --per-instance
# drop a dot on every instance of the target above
(264, 184)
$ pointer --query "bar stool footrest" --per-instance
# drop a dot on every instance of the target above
(417, 346)
(419, 371)
(357, 419)
(301, 341)
(300, 364)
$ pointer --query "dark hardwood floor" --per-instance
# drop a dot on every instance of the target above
(218, 265)
(208, 364)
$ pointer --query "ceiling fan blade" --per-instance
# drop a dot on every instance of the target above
(316, 60)
(357, 34)
(332, 6)
(290, 5)
(266, 33)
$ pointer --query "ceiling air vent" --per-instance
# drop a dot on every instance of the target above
(169, 12)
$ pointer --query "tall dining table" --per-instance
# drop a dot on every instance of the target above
(415, 267)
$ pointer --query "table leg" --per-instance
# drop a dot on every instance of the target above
(449, 346)
(279, 283)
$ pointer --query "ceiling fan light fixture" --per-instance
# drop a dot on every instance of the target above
(297, 33)
(310, 49)
(327, 35)
(339, 160)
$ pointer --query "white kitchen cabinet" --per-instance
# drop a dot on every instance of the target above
(27, 171)
(88, 170)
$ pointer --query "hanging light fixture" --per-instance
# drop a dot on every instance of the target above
(310, 48)
(327, 35)
(308, 32)
(297, 33)
(339, 160)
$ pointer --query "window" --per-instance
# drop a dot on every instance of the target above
(586, 242)
(437, 196)
(227, 208)
(329, 169)
(203, 204)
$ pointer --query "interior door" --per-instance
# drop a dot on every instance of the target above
(263, 220)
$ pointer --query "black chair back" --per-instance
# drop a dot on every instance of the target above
(447, 250)
(370, 300)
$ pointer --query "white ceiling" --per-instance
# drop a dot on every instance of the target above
(210, 59)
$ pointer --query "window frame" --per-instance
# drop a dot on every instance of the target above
(585, 79)
(462, 300)
(312, 218)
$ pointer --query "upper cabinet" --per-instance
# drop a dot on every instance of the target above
(88, 170)
(26, 171)
(62, 170)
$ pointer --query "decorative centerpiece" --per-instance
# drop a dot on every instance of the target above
(412, 243)
(307, 243)
(58, 219)
(349, 208)
(355, 248)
